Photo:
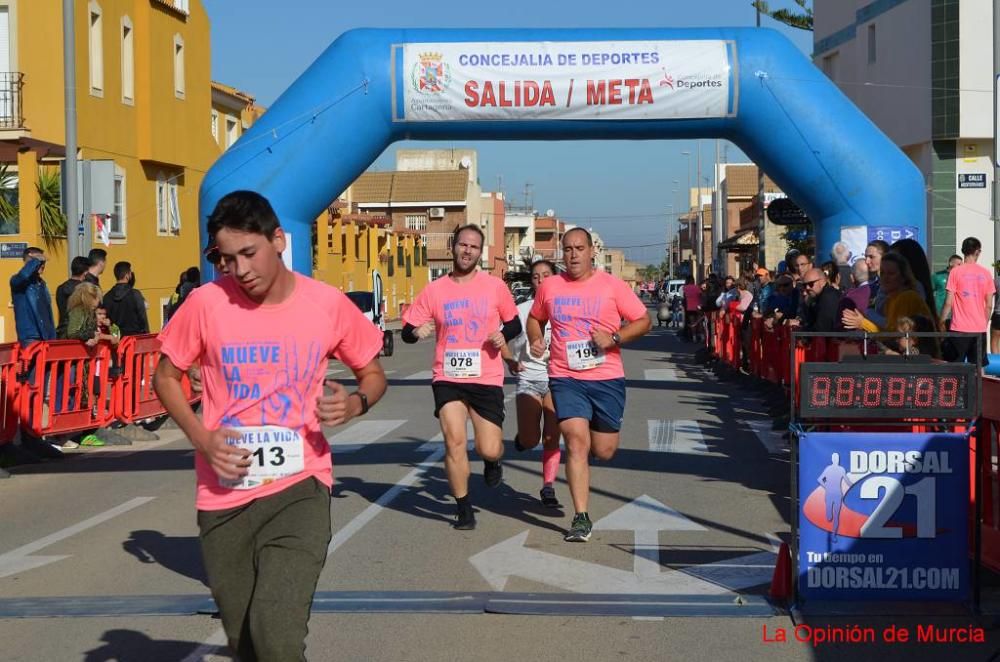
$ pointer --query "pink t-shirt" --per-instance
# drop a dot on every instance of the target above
(464, 315)
(265, 365)
(573, 308)
(969, 284)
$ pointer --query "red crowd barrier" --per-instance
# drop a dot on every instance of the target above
(64, 386)
(9, 363)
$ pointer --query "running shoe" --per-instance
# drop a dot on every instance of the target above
(548, 496)
(492, 473)
(580, 530)
(91, 440)
(69, 444)
(465, 520)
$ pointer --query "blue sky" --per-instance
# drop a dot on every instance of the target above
(622, 189)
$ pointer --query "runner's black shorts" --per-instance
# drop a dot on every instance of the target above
(487, 401)
(995, 322)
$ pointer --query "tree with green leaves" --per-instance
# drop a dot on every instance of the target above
(53, 221)
(801, 20)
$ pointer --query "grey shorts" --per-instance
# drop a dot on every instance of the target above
(538, 388)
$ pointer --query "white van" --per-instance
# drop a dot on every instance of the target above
(674, 288)
(372, 304)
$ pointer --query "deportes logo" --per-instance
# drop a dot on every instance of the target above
(430, 74)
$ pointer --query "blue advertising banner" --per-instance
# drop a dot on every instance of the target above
(891, 233)
(883, 516)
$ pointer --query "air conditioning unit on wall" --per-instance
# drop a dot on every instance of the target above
(436, 212)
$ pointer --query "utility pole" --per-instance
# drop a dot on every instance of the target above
(701, 217)
(761, 219)
(70, 200)
(996, 149)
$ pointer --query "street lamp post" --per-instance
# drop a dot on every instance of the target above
(691, 234)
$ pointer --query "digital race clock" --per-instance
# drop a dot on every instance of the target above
(874, 390)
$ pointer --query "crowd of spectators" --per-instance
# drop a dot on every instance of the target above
(890, 290)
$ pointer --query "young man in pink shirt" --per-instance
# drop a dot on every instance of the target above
(263, 335)
(586, 376)
(474, 316)
(969, 300)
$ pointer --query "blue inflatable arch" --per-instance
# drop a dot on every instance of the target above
(372, 87)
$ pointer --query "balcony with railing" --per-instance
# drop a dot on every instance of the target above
(11, 110)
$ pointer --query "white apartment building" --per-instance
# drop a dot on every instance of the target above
(922, 71)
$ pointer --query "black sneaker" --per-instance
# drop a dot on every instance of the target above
(465, 520)
(548, 496)
(492, 473)
(580, 530)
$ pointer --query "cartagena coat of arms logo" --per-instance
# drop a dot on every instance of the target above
(430, 74)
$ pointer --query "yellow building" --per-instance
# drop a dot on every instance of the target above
(233, 112)
(143, 97)
(351, 246)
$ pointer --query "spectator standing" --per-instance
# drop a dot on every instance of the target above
(899, 289)
(873, 258)
(692, 301)
(995, 319)
(823, 302)
(970, 301)
(860, 293)
(125, 304)
(940, 282)
(98, 261)
(31, 299)
(921, 268)
(77, 270)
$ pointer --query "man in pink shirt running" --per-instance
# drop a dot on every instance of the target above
(586, 376)
(263, 335)
(969, 300)
(474, 316)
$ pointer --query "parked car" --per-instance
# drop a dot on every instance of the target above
(372, 304)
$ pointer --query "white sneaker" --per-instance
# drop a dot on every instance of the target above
(69, 444)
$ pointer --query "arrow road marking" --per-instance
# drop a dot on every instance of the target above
(646, 517)
(20, 559)
(511, 558)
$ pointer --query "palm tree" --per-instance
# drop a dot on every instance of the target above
(53, 221)
(8, 199)
(801, 20)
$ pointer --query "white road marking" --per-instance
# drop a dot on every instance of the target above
(20, 559)
(661, 375)
(680, 436)
(511, 558)
(419, 376)
(646, 517)
(361, 434)
(770, 439)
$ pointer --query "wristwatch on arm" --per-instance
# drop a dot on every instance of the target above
(617, 338)
(364, 402)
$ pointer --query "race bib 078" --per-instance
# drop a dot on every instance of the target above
(275, 452)
(463, 363)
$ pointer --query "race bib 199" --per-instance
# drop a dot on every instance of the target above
(584, 355)
(275, 452)
(463, 363)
